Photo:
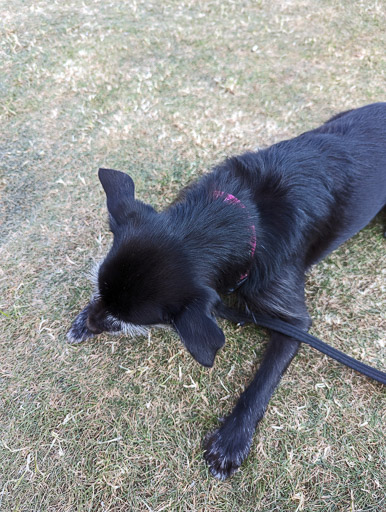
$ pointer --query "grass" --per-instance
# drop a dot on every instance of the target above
(164, 90)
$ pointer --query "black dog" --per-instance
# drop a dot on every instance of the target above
(253, 226)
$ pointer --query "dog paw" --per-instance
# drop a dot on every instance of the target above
(79, 330)
(225, 452)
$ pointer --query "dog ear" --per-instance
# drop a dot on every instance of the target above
(119, 189)
(199, 333)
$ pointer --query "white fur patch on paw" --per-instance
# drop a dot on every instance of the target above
(79, 331)
(225, 454)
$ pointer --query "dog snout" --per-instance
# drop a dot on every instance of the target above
(93, 326)
(96, 318)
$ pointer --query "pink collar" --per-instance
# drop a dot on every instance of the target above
(229, 198)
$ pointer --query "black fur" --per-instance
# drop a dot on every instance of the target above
(304, 197)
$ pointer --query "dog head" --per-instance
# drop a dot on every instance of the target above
(147, 279)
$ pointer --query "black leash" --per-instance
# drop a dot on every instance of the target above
(278, 325)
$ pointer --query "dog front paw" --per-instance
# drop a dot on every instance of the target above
(79, 330)
(225, 451)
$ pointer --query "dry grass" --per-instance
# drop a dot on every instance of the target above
(164, 90)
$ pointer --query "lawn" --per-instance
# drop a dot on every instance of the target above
(164, 91)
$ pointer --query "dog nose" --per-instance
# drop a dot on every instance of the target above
(91, 326)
